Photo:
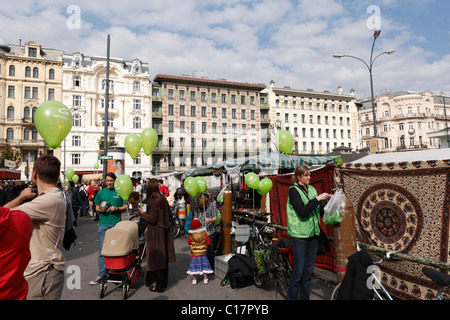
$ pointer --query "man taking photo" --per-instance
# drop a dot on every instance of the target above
(47, 210)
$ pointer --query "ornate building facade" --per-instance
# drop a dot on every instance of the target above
(129, 109)
(29, 76)
(403, 120)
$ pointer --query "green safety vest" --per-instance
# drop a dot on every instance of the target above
(303, 227)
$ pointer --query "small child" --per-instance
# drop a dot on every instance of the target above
(199, 242)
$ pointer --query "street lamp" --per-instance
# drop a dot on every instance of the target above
(369, 66)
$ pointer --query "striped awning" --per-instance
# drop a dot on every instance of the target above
(264, 161)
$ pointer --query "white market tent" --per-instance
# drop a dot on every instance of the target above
(422, 155)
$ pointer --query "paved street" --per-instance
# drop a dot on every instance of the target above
(84, 257)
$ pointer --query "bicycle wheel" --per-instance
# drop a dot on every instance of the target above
(176, 226)
(281, 284)
(335, 293)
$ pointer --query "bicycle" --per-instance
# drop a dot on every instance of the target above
(175, 222)
(442, 280)
(373, 281)
(271, 256)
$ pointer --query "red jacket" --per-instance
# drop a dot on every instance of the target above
(15, 234)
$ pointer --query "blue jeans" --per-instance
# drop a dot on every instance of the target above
(304, 258)
(101, 260)
(84, 207)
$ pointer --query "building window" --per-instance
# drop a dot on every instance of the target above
(170, 94)
(110, 122)
(203, 111)
(10, 134)
(35, 93)
(51, 94)
(27, 93)
(182, 126)
(76, 158)
(12, 71)
(182, 110)
(27, 72)
(136, 123)
(32, 52)
(11, 91)
(136, 86)
(51, 74)
(138, 159)
(76, 81)
(192, 127)
(192, 95)
(26, 134)
(170, 109)
(224, 113)
(77, 120)
(35, 72)
(192, 111)
(76, 101)
(76, 141)
(10, 114)
(136, 104)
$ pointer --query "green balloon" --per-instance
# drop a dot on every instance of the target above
(123, 186)
(201, 182)
(284, 141)
(69, 173)
(265, 185)
(75, 178)
(53, 121)
(149, 139)
(191, 186)
(133, 145)
(252, 180)
(96, 165)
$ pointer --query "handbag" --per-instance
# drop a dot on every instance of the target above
(324, 245)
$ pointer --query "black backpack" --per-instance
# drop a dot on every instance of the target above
(241, 271)
(69, 234)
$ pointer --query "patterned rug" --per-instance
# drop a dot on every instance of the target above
(402, 207)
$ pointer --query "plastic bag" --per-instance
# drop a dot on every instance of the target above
(334, 208)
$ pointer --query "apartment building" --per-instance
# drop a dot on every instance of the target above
(29, 76)
(403, 120)
(129, 108)
(202, 121)
(318, 121)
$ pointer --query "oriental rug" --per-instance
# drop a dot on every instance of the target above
(402, 207)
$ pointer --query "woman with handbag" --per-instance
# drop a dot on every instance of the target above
(303, 215)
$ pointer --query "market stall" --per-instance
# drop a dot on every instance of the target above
(402, 203)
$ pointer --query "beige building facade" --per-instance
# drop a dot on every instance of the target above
(202, 121)
(318, 121)
(403, 120)
(29, 76)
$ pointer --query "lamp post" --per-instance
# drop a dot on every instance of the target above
(369, 66)
(446, 123)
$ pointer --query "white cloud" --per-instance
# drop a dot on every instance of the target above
(291, 42)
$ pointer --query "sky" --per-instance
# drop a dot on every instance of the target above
(291, 42)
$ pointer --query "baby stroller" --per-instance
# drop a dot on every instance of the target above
(123, 255)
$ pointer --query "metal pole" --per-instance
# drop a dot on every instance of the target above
(446, 124)
(105, 136)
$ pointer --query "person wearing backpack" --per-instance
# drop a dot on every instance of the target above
(47, 210)
(84, 199)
